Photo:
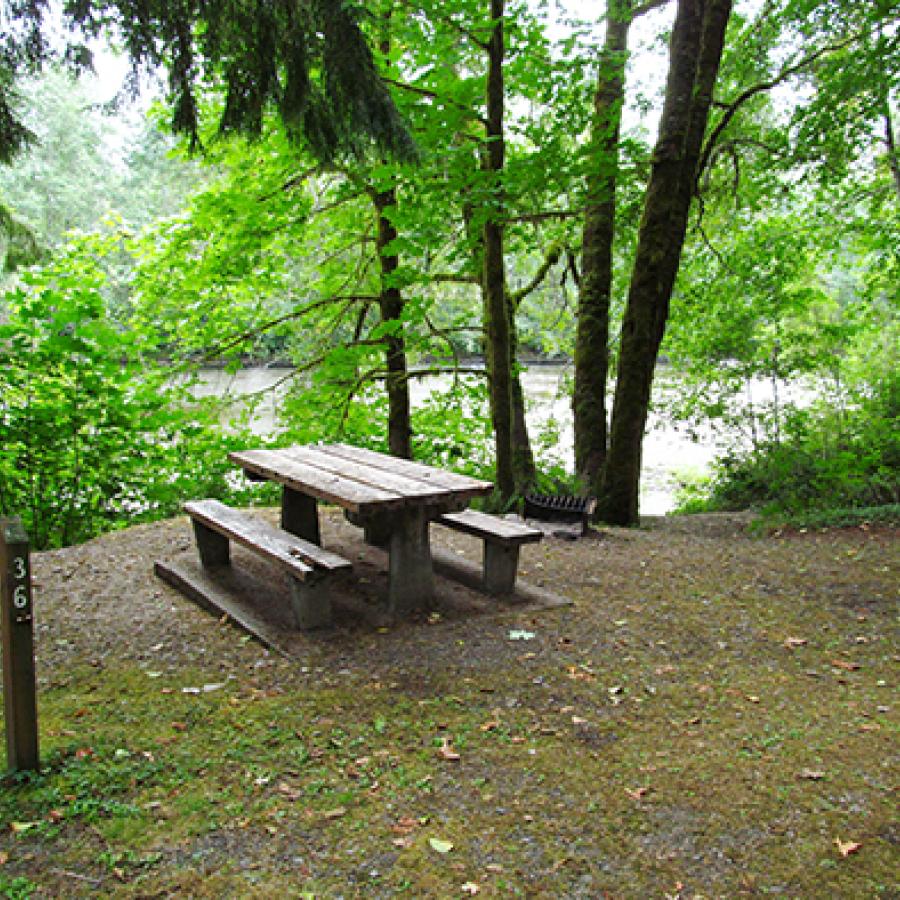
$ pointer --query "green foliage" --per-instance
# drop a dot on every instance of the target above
(18, 888)
(826, 459)
(95, 434)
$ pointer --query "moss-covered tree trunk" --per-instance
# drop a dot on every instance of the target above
(496, 317)
(592, 334)
(695, 52)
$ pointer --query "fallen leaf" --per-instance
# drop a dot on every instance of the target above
(846, 666)
(22, 827)
(579, 673)
(845, 848)
(440, 846)
(4, 857)
(335, 813)
(636, 793)
(753, 698)
(470, 888)
(445, 751)
(405, 825)
(179, 726)
(84, 753)
(291, 793)
(490, 725)
(55, 815)
(402, 842)
(792, 642)
(578, 720)
(811, 774)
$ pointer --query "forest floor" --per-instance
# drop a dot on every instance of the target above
(714, 716)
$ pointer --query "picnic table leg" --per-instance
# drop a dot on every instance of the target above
(500, 565)
(299, 515)
(411, 574)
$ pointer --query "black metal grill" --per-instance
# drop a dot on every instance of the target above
(560, 508)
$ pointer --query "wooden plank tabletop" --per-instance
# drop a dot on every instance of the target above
(361, 481)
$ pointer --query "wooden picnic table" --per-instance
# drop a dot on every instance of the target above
(393, 499)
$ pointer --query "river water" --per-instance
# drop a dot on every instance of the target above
(667, 452)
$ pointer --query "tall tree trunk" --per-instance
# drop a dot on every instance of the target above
(390, 303)
(695, 52)
(496, 318)
(592, 334)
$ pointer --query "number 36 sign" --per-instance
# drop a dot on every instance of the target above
(19, 695)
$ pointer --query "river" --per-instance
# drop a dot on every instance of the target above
(667, 453)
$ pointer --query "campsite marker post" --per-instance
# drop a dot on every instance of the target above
(17, 623)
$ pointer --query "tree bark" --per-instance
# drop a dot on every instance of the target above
(390, 304)
(891, 145)
(592, 332)
(496, 317)
(695, 52)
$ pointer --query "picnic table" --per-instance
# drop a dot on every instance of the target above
(393, 499)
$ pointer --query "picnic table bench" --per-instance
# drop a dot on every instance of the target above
(502, 541)
(394, 500)
(308, 566)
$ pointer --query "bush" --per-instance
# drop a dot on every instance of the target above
(825, 459)
(92, 434)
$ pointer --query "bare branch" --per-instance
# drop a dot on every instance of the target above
(545, 215)
(453, 278)
(238, 339)
(644, 8)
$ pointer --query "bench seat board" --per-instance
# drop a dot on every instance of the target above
(490, 528)
(298, 556)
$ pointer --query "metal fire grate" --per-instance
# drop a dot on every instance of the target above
(560, 508)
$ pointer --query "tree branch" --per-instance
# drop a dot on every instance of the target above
(238, 339)
(551, 258)
(732, 108)
(546, 215)
(432, 95)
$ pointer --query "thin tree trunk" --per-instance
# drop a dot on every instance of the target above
(696, 49)
(524, 471)
(391, 306)
(390, 303)
(592, 334)
(893, 162)
(497, 343)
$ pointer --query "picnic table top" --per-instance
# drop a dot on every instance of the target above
(361, 481)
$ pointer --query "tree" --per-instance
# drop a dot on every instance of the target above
(698, 37)
(598, 236)
(309, 62)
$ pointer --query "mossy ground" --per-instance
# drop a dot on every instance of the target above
(711, 719)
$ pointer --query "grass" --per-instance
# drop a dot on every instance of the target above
(706, 734)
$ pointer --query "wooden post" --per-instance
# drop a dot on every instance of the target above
(299, 515)
(19, 694)
(410, 571)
